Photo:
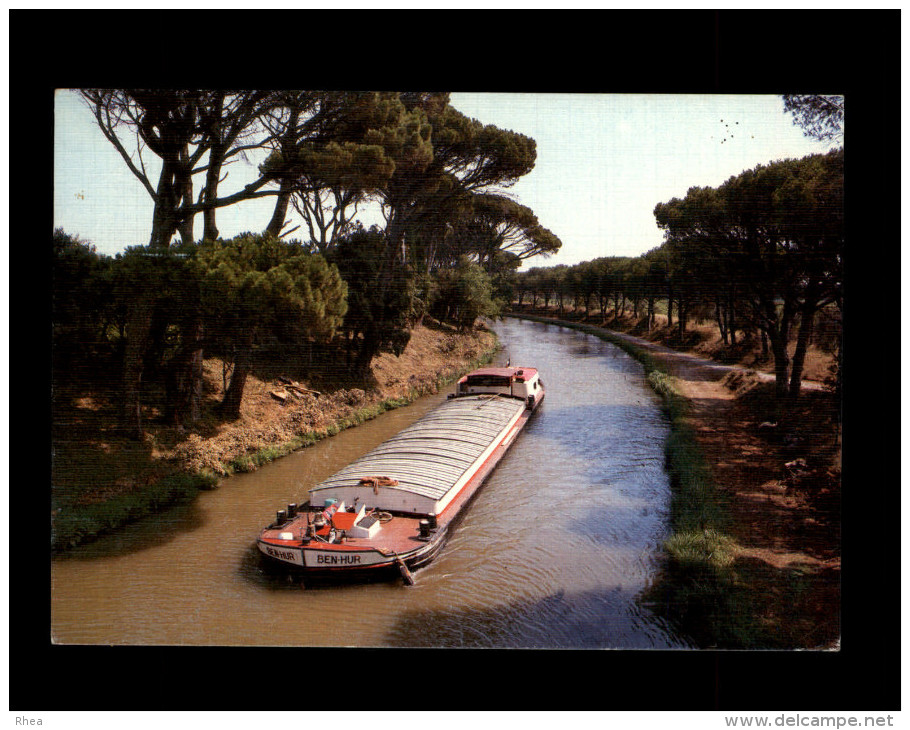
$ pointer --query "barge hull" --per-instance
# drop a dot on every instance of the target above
(315, 562)
(438, 463)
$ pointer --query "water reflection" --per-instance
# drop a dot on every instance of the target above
(143, 534)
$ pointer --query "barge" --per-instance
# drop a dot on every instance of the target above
(391, 510)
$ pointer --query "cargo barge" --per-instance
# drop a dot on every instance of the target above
(390, 511)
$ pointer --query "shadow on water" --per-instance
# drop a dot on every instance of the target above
(591, 346)
(254, 570)
(148, 532)
(597, 619)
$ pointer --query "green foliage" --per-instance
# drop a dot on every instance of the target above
(382, 295)
(73, 523)
(260, 283)
(772, 238)
(821, 117)
(445, 164)
(80, 298)
(491, 225)
(464, 294)
(167, 278)
(227, 296)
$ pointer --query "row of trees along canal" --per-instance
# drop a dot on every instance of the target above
(763, 253)
(450, 240)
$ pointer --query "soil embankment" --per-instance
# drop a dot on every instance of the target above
(101, 480)
(779, 480)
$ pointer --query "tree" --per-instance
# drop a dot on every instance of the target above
(191, 132)
(821, 117)
(495, 223)
(442, 159)
(150, 284)
(533, 281)
(257, 286)
(777, 231)
(330, 157)
(559, 279)
(381, 297)
(80, 299)
(466, 293)
(656, 278)
(811, 205)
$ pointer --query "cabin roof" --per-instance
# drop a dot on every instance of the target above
(432, 454)
(505, 372)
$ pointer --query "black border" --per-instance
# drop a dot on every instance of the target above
(856, 53)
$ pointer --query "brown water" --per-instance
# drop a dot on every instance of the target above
(590, 462)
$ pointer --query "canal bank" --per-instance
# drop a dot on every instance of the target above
(753, 560)
(102, 481)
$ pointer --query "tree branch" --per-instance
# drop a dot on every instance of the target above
(112, 137)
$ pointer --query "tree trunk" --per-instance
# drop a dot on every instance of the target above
(777, 326)
(184, 185)
(721, 316)
(233, 396)
(213, 174)
(806, 327)
(185, 398)
(364, 356)
(138, 327)
(167, 200)
(281, 209)
(212, 178)
(288, 144)
(164, 225)
(681, 312)
(781, 365)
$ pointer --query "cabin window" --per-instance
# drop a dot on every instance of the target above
(489, 381)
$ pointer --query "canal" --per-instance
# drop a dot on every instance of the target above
(555, 551)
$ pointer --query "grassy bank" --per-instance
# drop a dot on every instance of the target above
(702, 589)
(75, 522)
(102, 482)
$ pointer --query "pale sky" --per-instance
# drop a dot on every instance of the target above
(603, 162)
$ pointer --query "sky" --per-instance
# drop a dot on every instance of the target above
(603, 162)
